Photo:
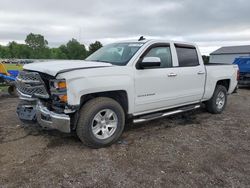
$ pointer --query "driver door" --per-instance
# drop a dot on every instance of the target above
(155, 87)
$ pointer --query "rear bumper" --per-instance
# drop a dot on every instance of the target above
(244, 78)
(244, 82)
(45, 118)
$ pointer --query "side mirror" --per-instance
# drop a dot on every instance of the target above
(150, 62)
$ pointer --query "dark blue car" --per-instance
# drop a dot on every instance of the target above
(244, 66)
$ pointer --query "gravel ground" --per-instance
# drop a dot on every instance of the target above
(195, 149)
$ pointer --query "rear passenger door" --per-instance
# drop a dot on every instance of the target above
(190, 74)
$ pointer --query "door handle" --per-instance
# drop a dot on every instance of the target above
(172, 75)
(201, 73)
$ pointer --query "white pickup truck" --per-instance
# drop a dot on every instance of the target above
(139, 80)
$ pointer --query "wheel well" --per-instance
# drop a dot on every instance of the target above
(120, 96)
(225, 83)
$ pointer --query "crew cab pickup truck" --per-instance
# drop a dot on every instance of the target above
(131, 80)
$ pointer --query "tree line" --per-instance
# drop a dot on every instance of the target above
(36, 47)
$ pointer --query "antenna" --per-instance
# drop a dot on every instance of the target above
(80, 34)
(142, 38)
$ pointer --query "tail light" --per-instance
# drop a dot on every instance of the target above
(238, 75)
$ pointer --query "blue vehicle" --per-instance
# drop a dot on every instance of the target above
(8, 78)
(244, 66)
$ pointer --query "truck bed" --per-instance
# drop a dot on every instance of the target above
(223, 72)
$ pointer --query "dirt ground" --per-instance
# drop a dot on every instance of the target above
(195, 149)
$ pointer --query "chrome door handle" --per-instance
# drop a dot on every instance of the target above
(200, 73)
(172, 75)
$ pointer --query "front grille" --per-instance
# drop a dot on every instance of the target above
(46, 79)
(27, 77)
(31, 84)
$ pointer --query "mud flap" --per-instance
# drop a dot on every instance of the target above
(236, 89)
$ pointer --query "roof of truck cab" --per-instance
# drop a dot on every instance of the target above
(132, 41)
(155, 41)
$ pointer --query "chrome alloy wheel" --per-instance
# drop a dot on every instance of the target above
(104, 124)
(220, 100)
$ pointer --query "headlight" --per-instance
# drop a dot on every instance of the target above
(58, 84)
(58, 88)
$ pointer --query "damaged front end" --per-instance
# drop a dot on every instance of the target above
(43, 100)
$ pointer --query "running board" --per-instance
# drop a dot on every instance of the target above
(164, 114)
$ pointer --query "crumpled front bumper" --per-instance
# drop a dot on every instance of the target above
(51, 120)
(45, 118)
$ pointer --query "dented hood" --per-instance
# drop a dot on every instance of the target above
(56, 67)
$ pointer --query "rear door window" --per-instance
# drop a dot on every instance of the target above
(187, 55)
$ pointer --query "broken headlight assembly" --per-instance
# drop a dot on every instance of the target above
(58, 90)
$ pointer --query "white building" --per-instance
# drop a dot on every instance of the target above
(228, 54)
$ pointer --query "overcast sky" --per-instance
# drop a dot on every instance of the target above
(210, 23)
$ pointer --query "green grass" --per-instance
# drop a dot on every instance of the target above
(3, 88)
(13, 67)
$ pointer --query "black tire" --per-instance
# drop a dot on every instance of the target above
(12, 91)
(212, 106)
(86, 118)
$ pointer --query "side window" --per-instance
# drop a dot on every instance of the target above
(187, 56)
(164, 53)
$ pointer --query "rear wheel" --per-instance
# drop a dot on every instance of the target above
(101, 122)
(218, 102)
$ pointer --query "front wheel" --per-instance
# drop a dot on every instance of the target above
(101, 122)
(218, 102)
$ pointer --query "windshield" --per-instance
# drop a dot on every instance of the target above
(117, 53)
